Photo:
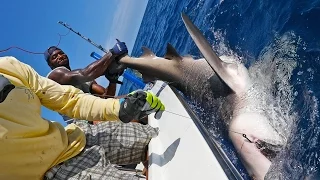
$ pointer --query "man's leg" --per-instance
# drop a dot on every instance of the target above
(91, 164)
(124, 143)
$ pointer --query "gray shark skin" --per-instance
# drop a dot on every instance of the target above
(207, 80)
(179, 72)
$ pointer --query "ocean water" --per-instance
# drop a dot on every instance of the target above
(279, 42)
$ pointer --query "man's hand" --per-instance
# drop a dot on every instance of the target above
(119, 49)
(139, 104)
(114, 71)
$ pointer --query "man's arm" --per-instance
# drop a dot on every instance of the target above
(100, 91)
(64, 99)
(92, 71)
(111, 89)
(72, 102)
(97, 89)
(79, 76)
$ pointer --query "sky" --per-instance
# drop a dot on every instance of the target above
(33, 25)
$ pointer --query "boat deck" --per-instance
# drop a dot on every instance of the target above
(183, 150)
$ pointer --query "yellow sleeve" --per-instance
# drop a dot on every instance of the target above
(66, 99)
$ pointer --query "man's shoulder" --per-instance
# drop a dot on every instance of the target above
(56, 70)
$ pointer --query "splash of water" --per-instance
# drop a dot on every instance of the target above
(271, 76)
(300, 159)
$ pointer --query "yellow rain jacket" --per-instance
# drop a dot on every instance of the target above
(29, 144)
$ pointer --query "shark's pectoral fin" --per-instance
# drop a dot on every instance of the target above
(172, 54)
(147, 52)
(213, 60)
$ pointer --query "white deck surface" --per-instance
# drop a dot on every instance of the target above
(180, 151)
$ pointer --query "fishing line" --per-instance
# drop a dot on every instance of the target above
(245, 138)
(243, 135)
(178, 114)
(32, 52)
(61, 36)
(11, 47)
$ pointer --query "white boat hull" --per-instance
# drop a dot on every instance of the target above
(181, 150)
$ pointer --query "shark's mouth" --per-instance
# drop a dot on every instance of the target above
(267, 149)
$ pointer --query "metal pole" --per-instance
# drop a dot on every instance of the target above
(85, 38)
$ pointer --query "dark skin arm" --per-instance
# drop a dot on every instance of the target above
(111, 90)
(97, 90)
(108, 92)
(79, 76)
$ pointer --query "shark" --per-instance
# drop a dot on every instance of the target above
(255, 140)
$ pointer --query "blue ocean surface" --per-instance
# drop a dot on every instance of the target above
(279, 41)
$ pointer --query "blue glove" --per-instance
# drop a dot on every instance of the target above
(139, 104)
(119, 48)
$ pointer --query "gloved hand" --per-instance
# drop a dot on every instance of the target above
(119, 49)
(139, 104)
(113, 78)
(114, 71)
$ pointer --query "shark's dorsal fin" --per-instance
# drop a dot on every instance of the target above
(147, 52)
(172, 54)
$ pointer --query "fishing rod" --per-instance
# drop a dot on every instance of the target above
(83, 37)
(97, 56)
(115, 75)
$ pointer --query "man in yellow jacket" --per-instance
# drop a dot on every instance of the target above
(35, 148)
